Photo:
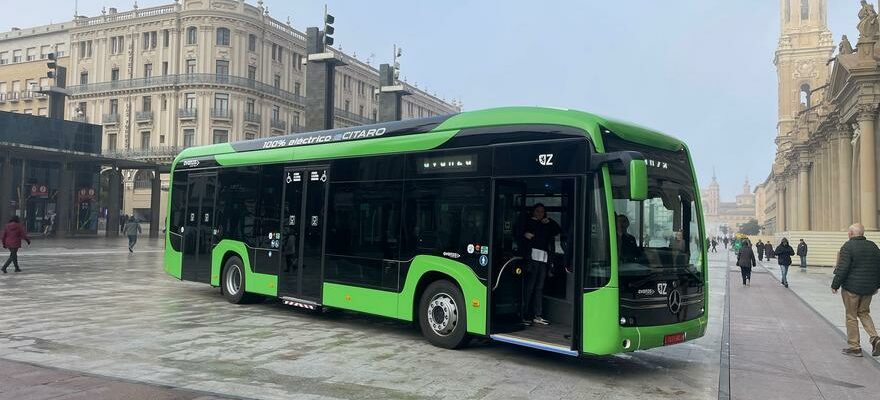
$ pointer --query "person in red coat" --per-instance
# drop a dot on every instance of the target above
(13, 234)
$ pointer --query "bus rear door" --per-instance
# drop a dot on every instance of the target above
(300, 274)
(198, 229)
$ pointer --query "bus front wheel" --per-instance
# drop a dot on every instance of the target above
(442, 315)
(233, 282)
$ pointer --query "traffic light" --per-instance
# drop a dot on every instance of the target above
(328, 29)
(52, 64)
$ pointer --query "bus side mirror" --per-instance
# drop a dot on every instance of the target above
(636, 170)
(638, 180)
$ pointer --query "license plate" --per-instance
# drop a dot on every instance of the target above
(673, 338)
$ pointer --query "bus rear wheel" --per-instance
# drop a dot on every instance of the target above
(442, 315)
(233, 282)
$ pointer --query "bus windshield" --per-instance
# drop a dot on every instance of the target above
(659, 239)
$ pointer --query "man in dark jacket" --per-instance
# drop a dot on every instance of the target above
(858, 272)
(539, 233)
(13, 234)
(760, 248)
(802, 253)
(783, 254)
(745, 259)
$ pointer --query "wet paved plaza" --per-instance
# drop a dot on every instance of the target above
(89, 306)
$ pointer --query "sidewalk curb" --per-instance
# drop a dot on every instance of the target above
(724, 371)
(875, 363)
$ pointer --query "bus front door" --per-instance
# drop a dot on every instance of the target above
(198, 229)
(302, 234)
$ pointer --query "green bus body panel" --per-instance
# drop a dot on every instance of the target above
(600, 327)
(647, 337)
(264, 284)
(473, 290)
(173, 259)
(370, 301)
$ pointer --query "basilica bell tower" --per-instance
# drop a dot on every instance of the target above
(805, 47)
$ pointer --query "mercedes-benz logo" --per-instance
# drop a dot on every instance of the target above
(674, 301)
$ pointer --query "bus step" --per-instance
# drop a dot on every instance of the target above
(534, 344)
(308, 305)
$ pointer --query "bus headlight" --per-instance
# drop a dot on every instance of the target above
(623, 320)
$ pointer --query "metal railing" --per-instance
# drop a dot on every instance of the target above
(253, 117)
(144, 116)
(127, 15)
(221, 113)
(360, 119)
(187, 113)
(187, 79)
(151, 152)
(79, 118)
(278, 124)
(110, 118)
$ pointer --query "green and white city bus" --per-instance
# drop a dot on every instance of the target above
(419, 220)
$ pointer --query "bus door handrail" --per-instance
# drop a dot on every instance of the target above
(497, 281)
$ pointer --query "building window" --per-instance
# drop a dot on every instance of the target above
(164, 68)
(223, 36)
(164, 102)
(43, 112)
(222, 67)
(147, 103)
(296, 88)
(251, 106)
(252, 72)
(296, 119)
(114, 74)
(190, 66)
(149, 40)
(189, 136)
(111, 141)
(189, 101)
(117, 44)
(277, 52)
(252, 42)
(16, 56)
(805, 10)
(4, 57)
(276, 113)
(361, 111)
(161, 139)
(805, 95)
(148, 70)
(32, 54)
(114, 106)
(145, 140)
(191, 35)
(166, 38)
(277, 81)
(221, 103)
(221, 136)
(249, 136)
(85, 49)
(347, 106)
(375, 115)
(83, 78)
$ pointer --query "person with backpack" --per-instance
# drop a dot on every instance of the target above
(783, 254)
(13, 234)
(745, 259)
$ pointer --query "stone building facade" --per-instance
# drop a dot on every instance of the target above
(23, 56)
(825, 171)
(198, 72)
(721, 215)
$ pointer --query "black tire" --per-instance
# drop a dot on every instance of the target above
(232, 282)
(446, 325)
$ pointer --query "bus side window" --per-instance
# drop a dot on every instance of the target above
(598, 271)
(178, 208)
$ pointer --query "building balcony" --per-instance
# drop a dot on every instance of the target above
(253, 117)
(278, 124)
(352, 117)
(110, 119)
(188, 80)
(221, 113)
(12, 96)
(187, 113)
(79, 118)
(144, 116)
(153, 153)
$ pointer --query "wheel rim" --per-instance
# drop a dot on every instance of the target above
(233, 280)
(442, 314)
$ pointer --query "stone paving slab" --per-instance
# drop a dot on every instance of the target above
(20, 381)
(108, 313)
(781, 349)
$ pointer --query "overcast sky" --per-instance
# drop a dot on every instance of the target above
(698, 69)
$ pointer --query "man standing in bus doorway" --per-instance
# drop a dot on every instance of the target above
(539, 233)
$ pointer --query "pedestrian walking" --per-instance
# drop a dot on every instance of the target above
(783, 257)
(13, 234)
(725, 241)
(759, 247)
(802, 253)
(858, 273)
(714, 245)
(131, 229)
(745, 259)
(768, 250)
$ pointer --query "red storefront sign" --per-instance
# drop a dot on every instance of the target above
(40, 191)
